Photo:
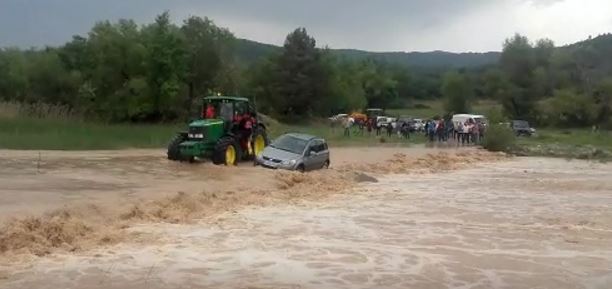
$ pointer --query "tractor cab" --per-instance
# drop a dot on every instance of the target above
(227, 132)
(230, 110)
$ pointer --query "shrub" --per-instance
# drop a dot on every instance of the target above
(499, 138)
(421, 106)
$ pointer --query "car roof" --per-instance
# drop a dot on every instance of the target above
(469, 115)
(303, 136)
(220, 97)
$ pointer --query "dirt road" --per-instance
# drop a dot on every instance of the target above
(519, 223)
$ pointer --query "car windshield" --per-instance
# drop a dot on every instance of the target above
(520, 124)
(290, 144)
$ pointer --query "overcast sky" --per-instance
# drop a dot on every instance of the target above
(378, 25)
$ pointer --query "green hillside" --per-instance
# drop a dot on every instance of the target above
(249, 51)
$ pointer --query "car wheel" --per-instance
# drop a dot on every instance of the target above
(326, 164)
(301, 168)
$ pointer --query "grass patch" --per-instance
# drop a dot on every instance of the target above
(29, 133)
(54, 134)
(569, 143)
(577, 137)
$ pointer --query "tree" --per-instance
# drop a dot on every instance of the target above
(569, 108)
(13, 75)
(166, 65)
(518, 63)
(302, 80)
(346, 88)
(543, 52)
(112, 62)
(494, 84)
(603, 102)
(208, 51)
(457, 92)
(378, 84)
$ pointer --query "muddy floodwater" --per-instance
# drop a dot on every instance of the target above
(519, 223)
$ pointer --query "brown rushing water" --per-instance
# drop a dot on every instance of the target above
(523, 223)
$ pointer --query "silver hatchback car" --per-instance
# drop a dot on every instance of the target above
(295, 151)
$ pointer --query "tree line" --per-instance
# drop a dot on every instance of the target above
(567, 86)
(124, 72)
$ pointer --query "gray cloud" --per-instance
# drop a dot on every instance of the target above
(376, 25)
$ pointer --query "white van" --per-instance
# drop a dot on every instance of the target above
(463, 118)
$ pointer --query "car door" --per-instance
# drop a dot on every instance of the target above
(321, 156)
(313, 155)
(324, 154)
(310, 156)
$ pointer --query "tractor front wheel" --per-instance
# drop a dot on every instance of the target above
(227, 152)
(174, 149)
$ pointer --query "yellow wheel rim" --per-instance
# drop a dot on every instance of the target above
(260, 144)
(230, 155)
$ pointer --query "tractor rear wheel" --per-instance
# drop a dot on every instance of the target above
(174, 149)
(227, 152)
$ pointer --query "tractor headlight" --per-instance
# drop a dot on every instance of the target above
(289, 162)
(196, 135)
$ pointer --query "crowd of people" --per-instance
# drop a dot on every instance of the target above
(435, 130)
(468, 132)
(371, 127)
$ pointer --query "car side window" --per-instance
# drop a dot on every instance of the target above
(314, 146)
(318, 146)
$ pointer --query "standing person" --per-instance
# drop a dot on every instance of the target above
(476, 133)
(465, 138)
(431, 130)
(440, 130)
(361, 127)
(389, 128)
(346, 124)
(405, 130)
(459, 132)
(369, 126)
(378, 128)
(450, 128)
(481, 131)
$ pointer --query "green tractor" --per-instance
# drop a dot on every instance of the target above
(228, 131)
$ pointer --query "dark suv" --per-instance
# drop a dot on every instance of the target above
(522, 128)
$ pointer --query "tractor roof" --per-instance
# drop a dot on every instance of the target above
(233, 98)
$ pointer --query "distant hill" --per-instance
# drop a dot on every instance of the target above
(593, 57)
(250, 51)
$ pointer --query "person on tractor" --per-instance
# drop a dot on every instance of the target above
(209, 113)
(243, 124)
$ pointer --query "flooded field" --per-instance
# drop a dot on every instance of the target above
(517, 223)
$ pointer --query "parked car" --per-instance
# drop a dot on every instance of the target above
(419, 125)
(295, 151)
(384, 121)
(339, 117)
(522, 128)
(406, 120)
